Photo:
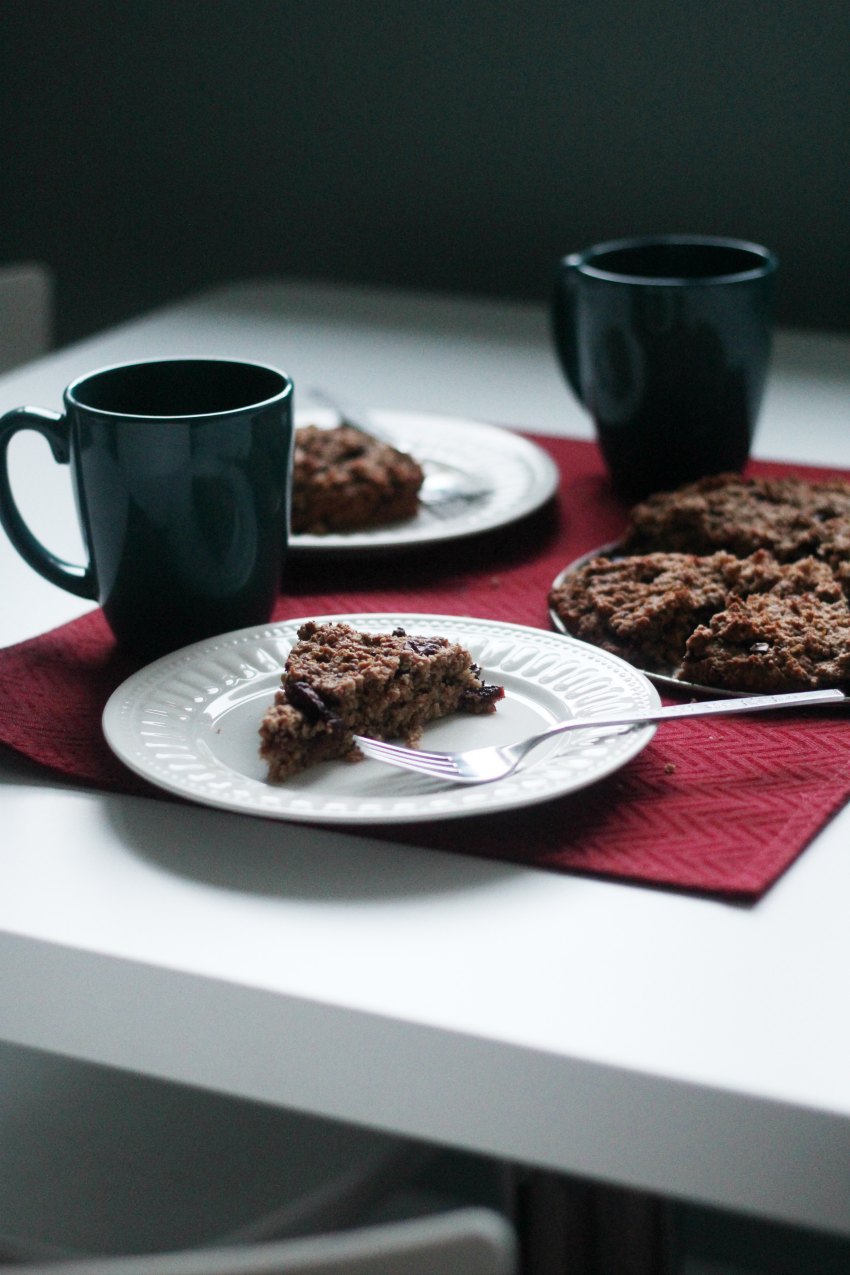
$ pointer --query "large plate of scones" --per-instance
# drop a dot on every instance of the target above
(728, 585)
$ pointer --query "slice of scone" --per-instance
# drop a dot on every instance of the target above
(346, 480)
(643, 607)
(772, 642)
(338, 682)
(784, 515)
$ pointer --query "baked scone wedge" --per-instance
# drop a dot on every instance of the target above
(646, 607)
(788, 516)
(346, 480)
(773, 642)
(338, 682)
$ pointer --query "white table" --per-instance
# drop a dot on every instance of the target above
(670, 1043)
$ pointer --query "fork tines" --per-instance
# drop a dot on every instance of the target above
(407, 758)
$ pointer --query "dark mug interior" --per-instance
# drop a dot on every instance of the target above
(677, 260)
(177, 388)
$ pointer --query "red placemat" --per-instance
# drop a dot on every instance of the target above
(721, 807)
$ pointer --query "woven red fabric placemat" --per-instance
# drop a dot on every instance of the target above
(722, 807)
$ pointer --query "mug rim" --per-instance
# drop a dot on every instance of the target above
(70, 393)
(583, 260)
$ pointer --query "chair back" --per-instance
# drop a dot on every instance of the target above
(472, 1241)
(26, 313)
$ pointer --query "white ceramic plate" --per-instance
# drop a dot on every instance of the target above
(189, 722)
(665, 680)
(518, 475)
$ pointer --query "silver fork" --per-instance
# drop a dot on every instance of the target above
(483, 765)
(444, 485)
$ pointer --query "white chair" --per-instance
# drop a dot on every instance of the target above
(462, 1242)
(26, 312)
(97, 1161)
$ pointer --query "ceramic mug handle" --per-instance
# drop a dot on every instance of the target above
(54, 427)
(565, 328)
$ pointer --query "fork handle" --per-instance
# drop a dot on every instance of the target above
(704, 708)
(349, 413)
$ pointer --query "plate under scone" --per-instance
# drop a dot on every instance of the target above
(189, 723)
(518, 478)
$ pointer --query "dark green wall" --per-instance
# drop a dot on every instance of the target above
(153, 146)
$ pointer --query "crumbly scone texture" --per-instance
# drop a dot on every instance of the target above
(768, 643)
(733, 582)
(346, 480)
(646, 607)
(791, 517)
(338, 682)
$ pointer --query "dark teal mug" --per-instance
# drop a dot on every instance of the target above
(181, 470)
(666, 341)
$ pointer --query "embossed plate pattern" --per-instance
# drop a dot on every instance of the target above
(519, 476)
(188, 723)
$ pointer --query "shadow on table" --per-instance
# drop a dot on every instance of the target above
(425, 564)
(286, 860)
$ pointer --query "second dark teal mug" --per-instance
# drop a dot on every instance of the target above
(666, 341)
(181, 470)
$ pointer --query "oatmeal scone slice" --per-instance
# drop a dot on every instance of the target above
(643, 607)
(772, 642)
(346, 480)
(338, 682)
(741, 515)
